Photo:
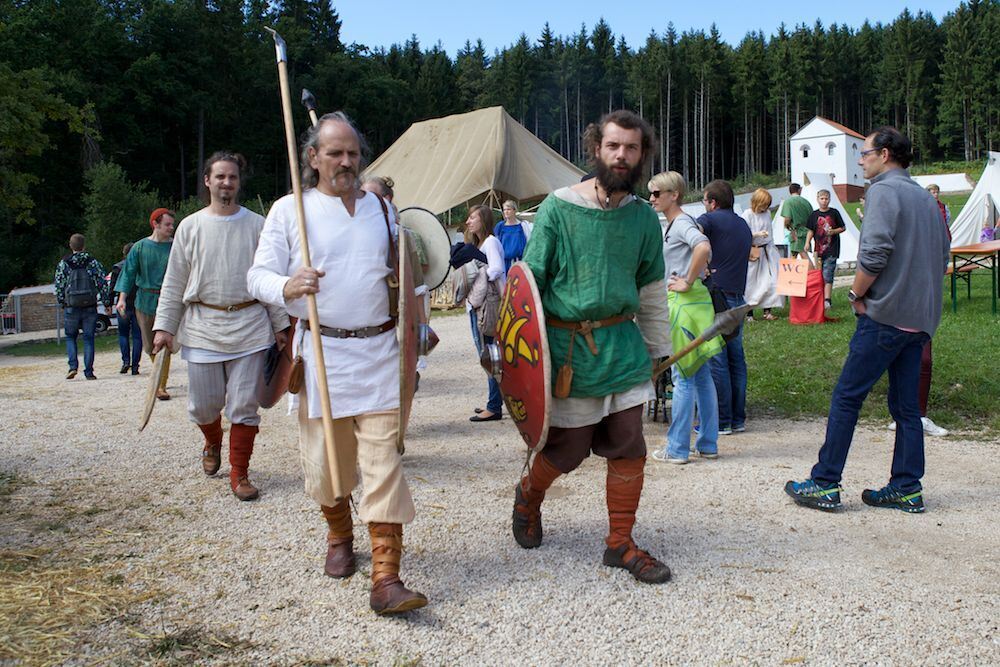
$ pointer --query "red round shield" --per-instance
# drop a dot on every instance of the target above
(524, 352)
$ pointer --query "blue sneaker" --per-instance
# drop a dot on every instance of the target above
(891, 497)
(811, 493)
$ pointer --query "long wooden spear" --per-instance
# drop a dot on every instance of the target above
(724, 324)
(309, 102)
(300, 215)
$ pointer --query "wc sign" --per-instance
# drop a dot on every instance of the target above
(792, 276)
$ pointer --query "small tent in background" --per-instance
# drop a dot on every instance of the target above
(483, 156)
(983, 205)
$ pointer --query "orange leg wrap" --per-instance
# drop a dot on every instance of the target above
(624, 486)
(338, 519)
(538, 480)
(241, 439)
(213, 433)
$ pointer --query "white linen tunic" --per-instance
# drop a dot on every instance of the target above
(362, 373)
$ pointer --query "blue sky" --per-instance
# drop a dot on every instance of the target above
(499, 24)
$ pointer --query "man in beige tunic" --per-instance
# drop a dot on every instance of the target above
(223, 331)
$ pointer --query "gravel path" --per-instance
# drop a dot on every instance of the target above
(756, 579)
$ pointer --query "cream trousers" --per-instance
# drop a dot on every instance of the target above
(366, 442)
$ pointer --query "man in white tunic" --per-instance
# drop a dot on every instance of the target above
(349, 232)
(224, 332)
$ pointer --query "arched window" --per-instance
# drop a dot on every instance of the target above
(805, 150)
(829, 148)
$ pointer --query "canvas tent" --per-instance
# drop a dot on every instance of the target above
(480, 156)
(983, 205)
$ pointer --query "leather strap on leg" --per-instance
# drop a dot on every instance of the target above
(241, 437)
(387, 550)
(624, 486)
(338, 519)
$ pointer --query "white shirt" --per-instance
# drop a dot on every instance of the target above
(495, 267)
(362, 373)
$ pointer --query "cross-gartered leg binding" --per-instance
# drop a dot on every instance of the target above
(624, 486)
(340, 562)
(389, 595)
(528, 497)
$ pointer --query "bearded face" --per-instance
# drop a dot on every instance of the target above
(619, 158)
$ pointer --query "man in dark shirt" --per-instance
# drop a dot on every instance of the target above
(730, 238)
(825, 227)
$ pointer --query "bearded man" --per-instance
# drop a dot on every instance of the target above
(351, 240)
(224, 331)
(596, 256)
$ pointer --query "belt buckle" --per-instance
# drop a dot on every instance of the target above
(231, 308)
(350, 333)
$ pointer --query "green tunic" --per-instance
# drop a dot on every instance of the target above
(144, 268)
(798, 209)
(589, 265)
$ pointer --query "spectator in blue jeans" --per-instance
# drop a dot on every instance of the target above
(129, 332)
(896, 297)
(731, 240)
(79, 286)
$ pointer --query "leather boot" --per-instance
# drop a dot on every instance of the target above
(389, 595)
(211, 455)
(624, 486)
(340, 561)
(529, 493)
(241, 439)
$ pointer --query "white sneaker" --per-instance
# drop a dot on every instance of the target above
(891, 426)
(662, 456)
(930, 428)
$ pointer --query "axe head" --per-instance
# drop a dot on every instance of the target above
(726, 322)
(281, 51)
(308, 100)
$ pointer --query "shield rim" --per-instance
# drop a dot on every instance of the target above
(406, 339)
(154, 383)
(446, 247)
(546, 359)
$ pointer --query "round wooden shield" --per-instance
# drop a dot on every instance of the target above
(408, 336)
(437, 243)
(154, 383)
(524, 351)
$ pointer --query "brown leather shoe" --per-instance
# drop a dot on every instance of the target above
(340, 562)
(244, 490)
(162, 395)
(526, 521)
(211, 459)
(390, 596)
(639, 563)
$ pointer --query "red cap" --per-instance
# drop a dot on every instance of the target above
(156, 214)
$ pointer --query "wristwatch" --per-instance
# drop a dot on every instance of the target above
(853, 297)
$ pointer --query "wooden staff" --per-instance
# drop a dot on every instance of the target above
(300, 215)
(724, 324)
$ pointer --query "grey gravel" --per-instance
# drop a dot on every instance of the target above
(757, 580)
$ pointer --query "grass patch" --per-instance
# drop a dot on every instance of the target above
(9, 482)
(191, 645)
(51, 348)
(793, 369)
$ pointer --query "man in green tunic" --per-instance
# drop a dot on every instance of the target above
(596, 255)
(796, 211)
(144, 268)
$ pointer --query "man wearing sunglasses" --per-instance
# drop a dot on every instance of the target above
(896, 296)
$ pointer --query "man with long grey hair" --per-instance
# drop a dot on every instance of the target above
(351, 245)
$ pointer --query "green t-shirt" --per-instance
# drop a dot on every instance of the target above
(144, 268)
(798, 209)
(589, 264)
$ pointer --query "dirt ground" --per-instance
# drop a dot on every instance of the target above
(116, 549)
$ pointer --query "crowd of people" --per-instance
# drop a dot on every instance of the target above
(618, 291)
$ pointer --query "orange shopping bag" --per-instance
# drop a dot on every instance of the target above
(792, 276)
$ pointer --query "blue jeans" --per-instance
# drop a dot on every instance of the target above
(129, 338)
(494, 402)
(876, 348)
(74, 320)
(729, 371)
(699, 389)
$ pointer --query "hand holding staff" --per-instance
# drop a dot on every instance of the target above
(300, 214)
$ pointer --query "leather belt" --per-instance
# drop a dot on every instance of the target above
(364, 332)
(585, 327)
(228, 309)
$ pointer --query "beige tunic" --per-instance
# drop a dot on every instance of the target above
(208, 264)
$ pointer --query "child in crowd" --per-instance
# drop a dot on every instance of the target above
(988, 233)
(825, 227)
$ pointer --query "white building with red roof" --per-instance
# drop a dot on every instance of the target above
(822, 146)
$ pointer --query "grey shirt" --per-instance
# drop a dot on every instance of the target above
(904, 243)
(679, 240)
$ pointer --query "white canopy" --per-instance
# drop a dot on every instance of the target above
(982, 205)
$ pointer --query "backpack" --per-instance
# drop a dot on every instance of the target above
(80, 291)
